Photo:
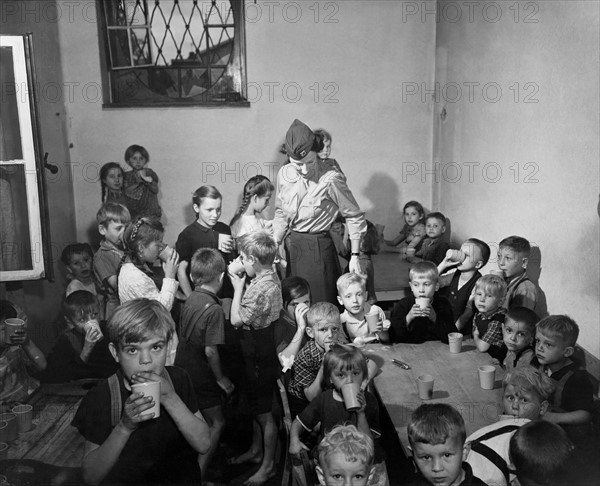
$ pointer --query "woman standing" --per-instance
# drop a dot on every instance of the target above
(309, 198)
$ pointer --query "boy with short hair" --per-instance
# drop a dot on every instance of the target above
(352, 294)
(81, 351)
(345, 454)
(436, 433)
(487, 323)
(322, 327)
(458, 283)
(255, 310)
(513, 256)
(431, 318)
(572, 403)
(518, 332)
(124, 443)
(433, 248)
(77, 258)
(202, 329)
(112, 219)
(540, 452)
(526, 394)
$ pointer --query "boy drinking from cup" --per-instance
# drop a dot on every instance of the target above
(360, 319)
(125, 443)
(423, 316)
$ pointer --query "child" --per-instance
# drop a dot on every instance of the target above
(343, 364)
(82, 350)
(202, 329)
(141, 184)
(143, 245)
(518, 331)
(255, 309)
(352, 295)
(526, 394)
(257, 194)
(436, 433)
(289, 329)
(322, 327)
(433, 248)
(573, 400)
(112, 219)
(458, 285)
(413, 231)
(513, 256)
(111, 181)
(487, 323)
(540, 452)
(77, 258)
(19, 357)
(430, 321)
(124, 443)
(345, 457)
(203, 233)
(323, 142)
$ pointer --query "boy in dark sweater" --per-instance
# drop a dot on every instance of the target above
(423, 316)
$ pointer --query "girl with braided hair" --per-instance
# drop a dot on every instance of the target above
(247, 219)
(111, 180)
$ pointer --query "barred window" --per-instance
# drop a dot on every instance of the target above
(173, 52)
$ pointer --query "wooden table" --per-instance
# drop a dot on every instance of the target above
(53, 440)
(391, 275)
(456, 382)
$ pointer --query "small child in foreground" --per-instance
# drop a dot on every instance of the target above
(428, 319)
(487, 323)
(518, 331)
(513, 257)
(345, 457)
(436, 433)
(526, 395)
(540, 452)
(82, 350)
(352, 294)
(124, 444)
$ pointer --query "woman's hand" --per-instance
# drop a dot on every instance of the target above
(354, 265)
(171, 264)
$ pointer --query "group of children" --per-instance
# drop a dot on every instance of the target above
(221, 283)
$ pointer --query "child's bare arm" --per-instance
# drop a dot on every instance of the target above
(214, 361)
(98, 460)
(362, 423)
(372, 370)
(191, 425)
(576, 417)
(236, 303)
(296, 445)
(36, 355)
(184, 281)
(482, 346)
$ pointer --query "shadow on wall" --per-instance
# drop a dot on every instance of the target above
(534, 270)
(383, 193)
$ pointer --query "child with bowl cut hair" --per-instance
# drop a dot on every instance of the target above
(436, 433)
(125, 444)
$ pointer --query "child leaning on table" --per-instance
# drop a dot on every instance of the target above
(352, 294)
(490, 315)
(518, 332)
(436, 434)
(81, 351)
(526, 395)
(411, 323)
(124, 444)
(457, 280)
(19, 356)
(345, 456)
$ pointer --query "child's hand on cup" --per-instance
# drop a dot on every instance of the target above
(19, 337)
(362, 401)
(92, 335)
(236, 280)
(166, 390)
(133, 411)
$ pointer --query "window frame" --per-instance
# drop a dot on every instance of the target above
(236, 64)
